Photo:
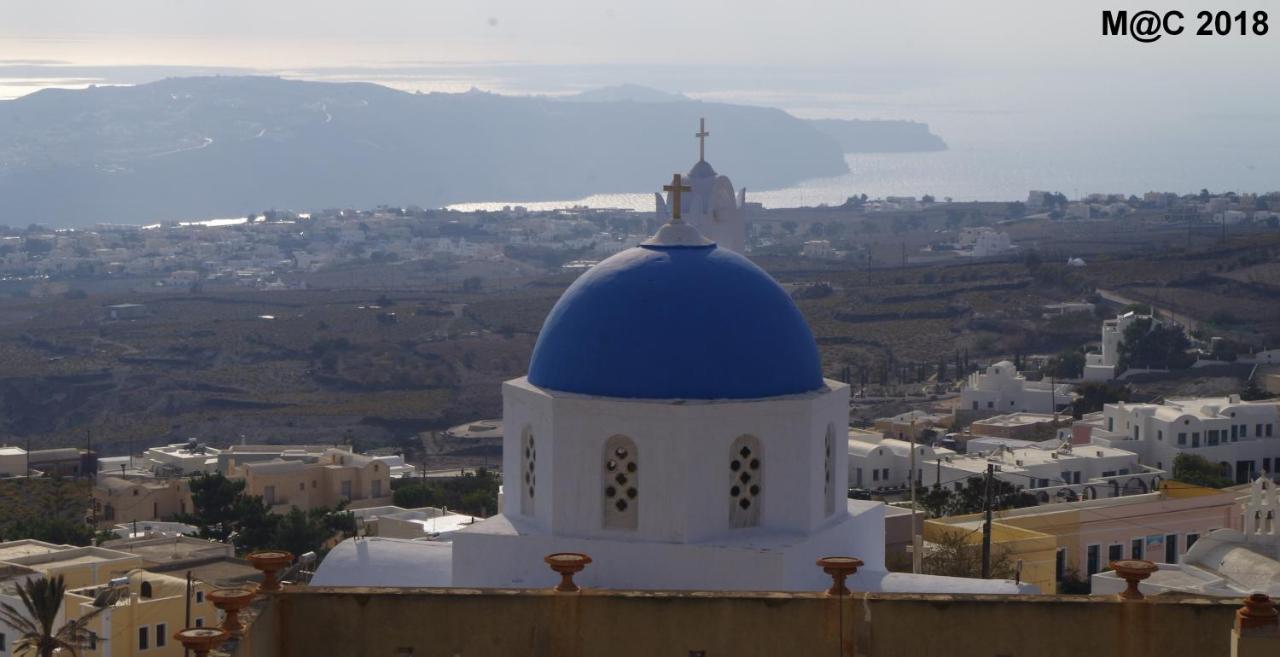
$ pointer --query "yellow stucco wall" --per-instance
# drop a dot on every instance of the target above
(162, 615)
(479, 623)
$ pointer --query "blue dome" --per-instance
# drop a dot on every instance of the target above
(676, 322)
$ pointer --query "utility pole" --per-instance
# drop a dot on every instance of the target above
(986, 524)
(911, 478)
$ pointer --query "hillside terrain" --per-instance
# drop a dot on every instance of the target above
(377, 353)
(224, 146)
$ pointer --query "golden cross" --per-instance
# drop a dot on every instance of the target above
(702, 139)
(675, 188)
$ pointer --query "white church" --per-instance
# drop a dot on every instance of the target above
(711, 206)
(675, 425)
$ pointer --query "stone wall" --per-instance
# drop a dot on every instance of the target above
(304, 622)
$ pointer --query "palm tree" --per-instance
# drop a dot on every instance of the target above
(42, 599)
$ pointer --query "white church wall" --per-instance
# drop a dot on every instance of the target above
(680, 450)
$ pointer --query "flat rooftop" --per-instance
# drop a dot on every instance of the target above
(27, 548)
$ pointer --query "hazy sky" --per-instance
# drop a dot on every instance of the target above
(965, 65)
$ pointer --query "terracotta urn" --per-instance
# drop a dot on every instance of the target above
(231, 601)
(839, 568)
(1133, 571)
(270, 562)
(567, 563)
(1258, 613)
(200, 640)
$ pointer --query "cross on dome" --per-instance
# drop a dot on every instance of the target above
(676, 187)
(676, 232)
(702, 135)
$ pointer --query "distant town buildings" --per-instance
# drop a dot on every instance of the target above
(1240, 555)
(1055, 471)
(1102, 366)
(983, 242)
(138, 499)
(1239, 436)
(1071, 541)
(1001, 389)
(337, 476)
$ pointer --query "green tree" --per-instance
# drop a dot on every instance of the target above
(959, 554)
(214, 502)
(1254, 392)
(473, 494)
(51, 529)
(35, 623)
(1068, 364)
(1032, 261)
(1151, 345)
(1093, 395)
(1196, 469)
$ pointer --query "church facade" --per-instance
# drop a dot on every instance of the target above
(674, 425)
(712, 207)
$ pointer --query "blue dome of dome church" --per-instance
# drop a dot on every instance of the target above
(676, 320)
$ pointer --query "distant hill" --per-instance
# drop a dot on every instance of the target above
(859, 136)
(627, 93)
(225, 146)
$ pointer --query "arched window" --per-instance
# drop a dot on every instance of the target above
(829, 470)
(746, 477)
(146, 592)
(620, 483)
(528, 471)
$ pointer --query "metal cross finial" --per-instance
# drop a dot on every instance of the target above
(676, 187)
(702, 139)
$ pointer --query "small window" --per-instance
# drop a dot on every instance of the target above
(144, 638)
(1182, 439)
(1115, 552)
(829, 469)
(528, 470)
(1135, 548)
(313, 483)
(199, 622)
(620, 479)
(199, 597)
(1191, 539)
(1093, 559)
(746, 476)
(145, 591)
(161, 635)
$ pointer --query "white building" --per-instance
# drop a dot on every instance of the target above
(1102, 367)
(675, 426)
(1225, 562)
(181, 458)
(711, 205)
(1240, 436)
(1002, 389)
(818, 249)
(1053, 471)
(983, 242)
(877, 463)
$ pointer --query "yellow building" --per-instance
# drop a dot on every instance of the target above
(338, 475)
(79, 566)
(1077, 539)
(144, 611)
(119, 500)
